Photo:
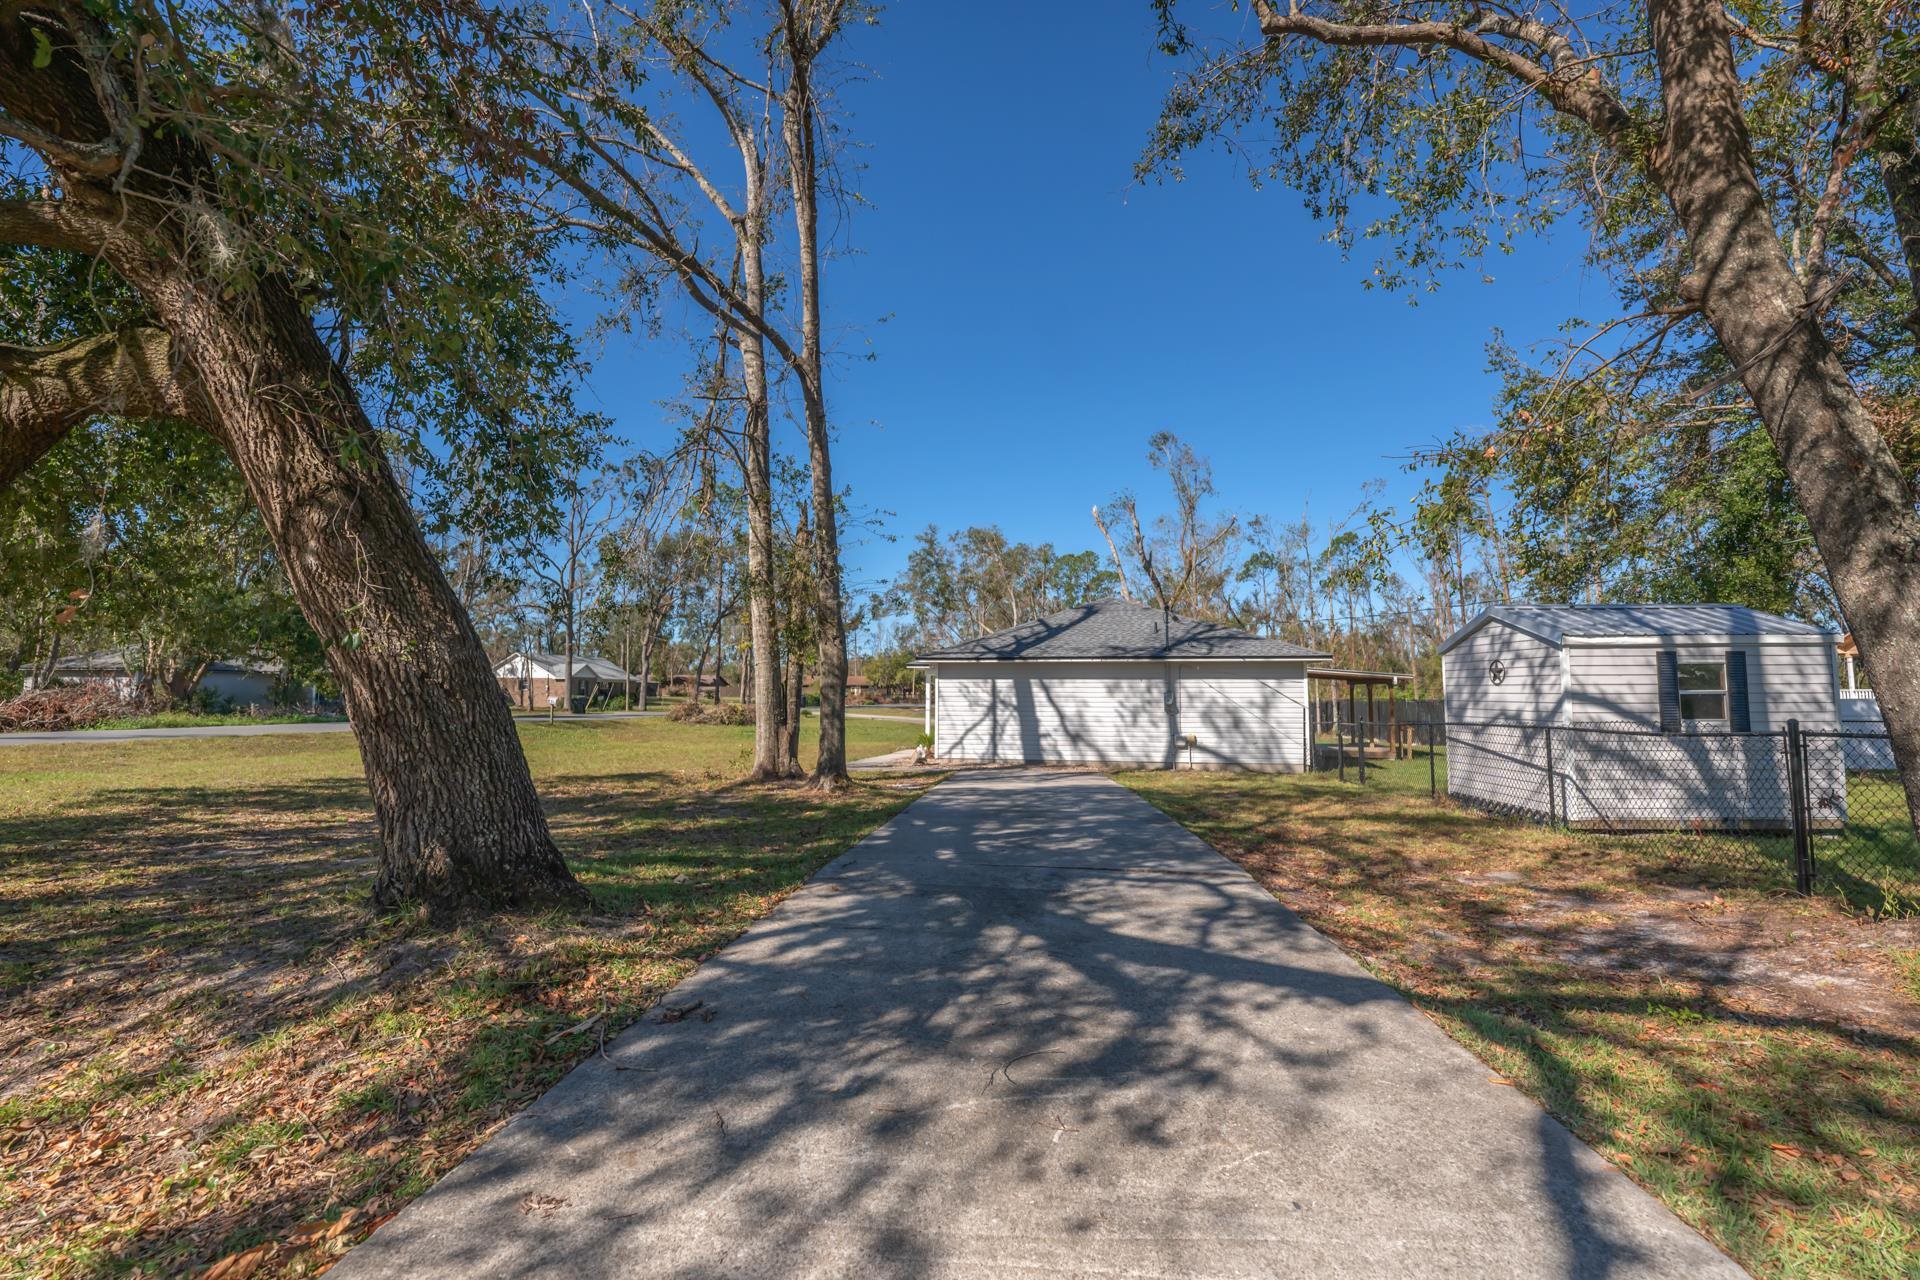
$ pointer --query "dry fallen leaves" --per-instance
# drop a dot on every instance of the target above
(322, 1230)
(238, 1266)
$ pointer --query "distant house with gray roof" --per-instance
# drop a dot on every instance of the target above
(240, 681)
(1114, 682)
(1719, 681)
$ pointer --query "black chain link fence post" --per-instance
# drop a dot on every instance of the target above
(1553, 816)
(1797, 806)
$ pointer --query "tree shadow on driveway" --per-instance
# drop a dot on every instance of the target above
(1747, 1056)
(1031, 1025)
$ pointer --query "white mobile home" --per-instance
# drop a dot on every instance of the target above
(1636, 715)
(1117, 683)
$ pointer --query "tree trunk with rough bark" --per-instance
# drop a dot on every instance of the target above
(646, 666)
(1845, 477)
(796, 704)
(795, 677)
(568, 657)
(460, 825)
(800, 124)
(770, 759)
(43, 676)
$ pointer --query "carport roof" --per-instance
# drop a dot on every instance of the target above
(1117, 630)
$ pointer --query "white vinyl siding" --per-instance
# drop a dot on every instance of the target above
(1488, 756)
(1241, 714)
(1057, 712)
(1618, 683)
(1673, 780)
(1531, 679)
(1793, 682)
(1244, 715)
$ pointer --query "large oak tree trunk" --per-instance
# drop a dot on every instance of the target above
(1844, 475)
(459, 822)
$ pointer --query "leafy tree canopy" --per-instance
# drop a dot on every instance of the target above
(1627, 458)
(420, 268)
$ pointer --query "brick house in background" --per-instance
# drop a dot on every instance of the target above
(530, 679)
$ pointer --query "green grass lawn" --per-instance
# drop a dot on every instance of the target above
(211, 1044)
(196, 719)
(1750, 1057)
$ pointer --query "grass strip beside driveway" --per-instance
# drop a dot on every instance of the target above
(1753, 1059)
(209, 1046)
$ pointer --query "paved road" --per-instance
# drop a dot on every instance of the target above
(1033, 1027)
(194, 731)
(261, 730)
(326, 726)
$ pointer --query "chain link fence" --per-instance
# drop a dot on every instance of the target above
(1801, 809)
(1811, 808)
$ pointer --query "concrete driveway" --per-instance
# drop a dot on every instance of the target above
(1033, 1027)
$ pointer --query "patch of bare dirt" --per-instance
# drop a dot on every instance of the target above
(1764, 956)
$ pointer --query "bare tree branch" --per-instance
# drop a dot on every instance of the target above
(1119, 565)
(1581, 95)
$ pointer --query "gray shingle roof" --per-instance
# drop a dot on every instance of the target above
(1553, 623)
(1116, 629)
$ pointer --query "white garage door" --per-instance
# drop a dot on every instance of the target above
(1067, 713)
(1244, 716)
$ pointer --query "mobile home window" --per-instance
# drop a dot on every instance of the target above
(1703, 690)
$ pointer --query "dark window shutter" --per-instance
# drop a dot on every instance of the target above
(1669, 691)
(1738, 718)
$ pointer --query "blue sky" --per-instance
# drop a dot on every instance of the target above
(1033, 315)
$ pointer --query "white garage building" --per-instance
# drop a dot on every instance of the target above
(1117, 683)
